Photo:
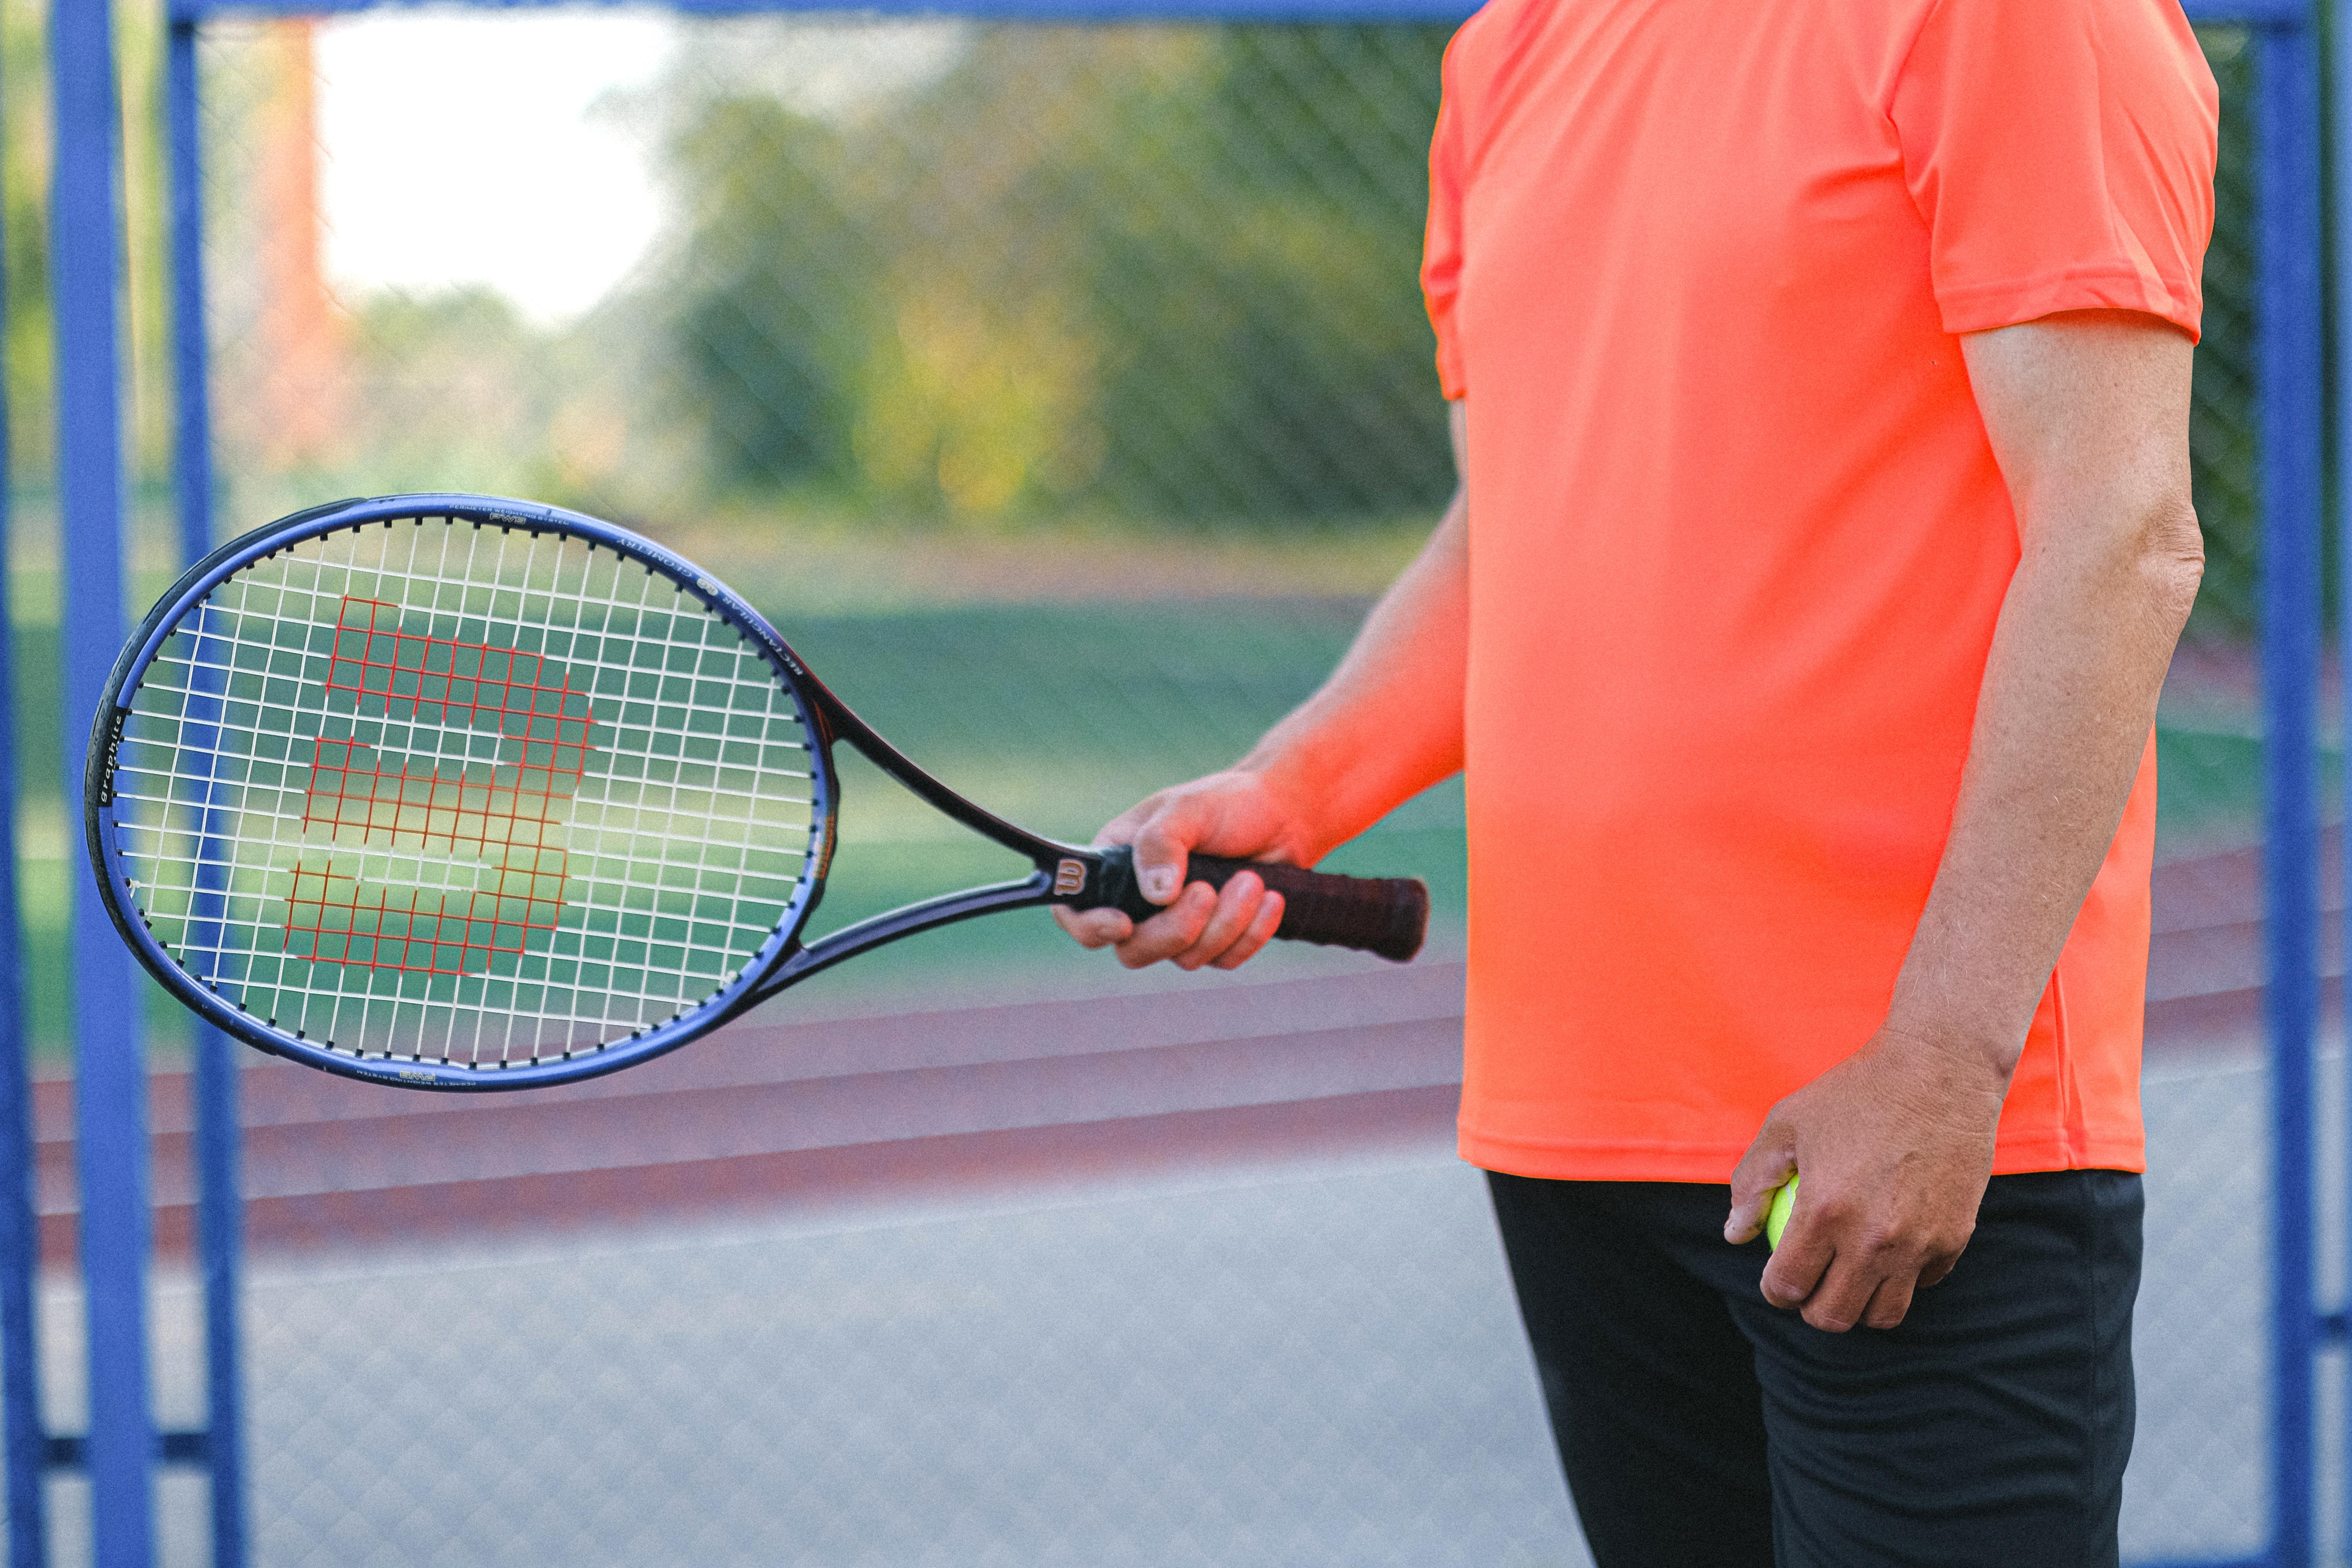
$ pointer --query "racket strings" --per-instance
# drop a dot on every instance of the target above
(511, 820)
(554, 799)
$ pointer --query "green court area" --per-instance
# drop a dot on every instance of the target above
(2209, 787)
(1059, 717)
(1056, 716)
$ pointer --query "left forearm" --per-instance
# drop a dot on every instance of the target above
(2068, 698)
(2088, 417)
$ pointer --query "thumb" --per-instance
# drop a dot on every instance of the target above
(1162, 845)
(1764, 1170)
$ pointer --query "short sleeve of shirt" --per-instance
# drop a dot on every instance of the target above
(2062, 153)
(1441, 264)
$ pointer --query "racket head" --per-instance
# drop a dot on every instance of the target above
(458, 792)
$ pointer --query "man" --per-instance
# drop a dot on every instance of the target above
(1819, 373)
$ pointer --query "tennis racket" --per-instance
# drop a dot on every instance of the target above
(462, 793)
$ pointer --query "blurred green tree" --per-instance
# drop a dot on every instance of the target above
(774, 306)
(1167, 274)
(1266, 355)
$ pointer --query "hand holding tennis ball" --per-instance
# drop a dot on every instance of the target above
(1776, 1218)
(1896, 1142)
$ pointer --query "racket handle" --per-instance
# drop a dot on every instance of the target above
(1384, 915)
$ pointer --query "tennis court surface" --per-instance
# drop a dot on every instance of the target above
(1186, 1275)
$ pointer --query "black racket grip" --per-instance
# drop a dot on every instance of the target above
(1384, 915)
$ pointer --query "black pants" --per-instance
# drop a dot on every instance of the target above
(1700, 1426)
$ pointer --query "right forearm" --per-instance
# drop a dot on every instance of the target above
(1387, 723)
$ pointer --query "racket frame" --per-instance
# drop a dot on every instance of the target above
(1065, 874)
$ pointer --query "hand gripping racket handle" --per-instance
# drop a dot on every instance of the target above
(1384, 915)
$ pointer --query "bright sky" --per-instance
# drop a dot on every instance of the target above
(464, 149)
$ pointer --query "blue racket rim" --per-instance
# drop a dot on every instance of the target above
(102, 823)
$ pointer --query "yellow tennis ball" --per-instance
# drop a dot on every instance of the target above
(1776, 1218)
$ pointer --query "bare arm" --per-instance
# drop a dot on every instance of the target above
(2088, 417)
(1387, 724)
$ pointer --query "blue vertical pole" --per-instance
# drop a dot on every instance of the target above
(2288, 120)
(111, 1102)
(219, 1205)
(2340, 132)
(193, 471)
(23, 1445)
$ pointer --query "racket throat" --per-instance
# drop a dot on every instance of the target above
(1029, 892)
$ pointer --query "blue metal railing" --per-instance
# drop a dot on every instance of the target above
(110, 1073)
(219, 1212)
(122, 1445)
(2287, 124)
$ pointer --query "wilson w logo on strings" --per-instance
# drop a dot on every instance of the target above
(438, 843)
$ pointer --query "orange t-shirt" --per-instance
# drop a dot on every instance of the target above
(1738, 539)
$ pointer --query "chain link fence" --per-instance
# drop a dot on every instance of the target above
(2197, 1486)
(1062, 393)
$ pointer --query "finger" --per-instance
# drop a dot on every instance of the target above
(1092, 928)
(1888, 1303)
(1172, 930)
(1804, 1256)
(1261, 931)
(1837, 1303)
(1237, 903)
(1163, 841)
(1766, 1166)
